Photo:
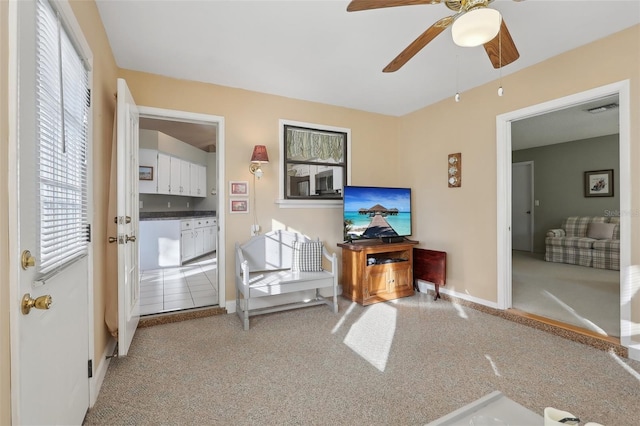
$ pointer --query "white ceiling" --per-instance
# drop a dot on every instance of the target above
(566, 125)
(316, 51)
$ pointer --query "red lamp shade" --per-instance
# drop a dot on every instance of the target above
(259, 154)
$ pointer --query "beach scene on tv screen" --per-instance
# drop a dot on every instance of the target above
(377, 212)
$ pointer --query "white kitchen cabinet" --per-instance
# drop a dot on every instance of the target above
(210, 232)
(198, 182)
(199, 236)
(175, 167)
(206, 229)
(185, 176)
(173, 175)
(164, 173)
(181, 177)
(187, 240)
(165, 243)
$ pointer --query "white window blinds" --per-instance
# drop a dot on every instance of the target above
(62, 108)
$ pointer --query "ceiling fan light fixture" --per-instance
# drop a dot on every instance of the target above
(476, 27)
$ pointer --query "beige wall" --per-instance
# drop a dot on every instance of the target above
(252, 118)
(410, 150)
(103, 100)
(462, 221)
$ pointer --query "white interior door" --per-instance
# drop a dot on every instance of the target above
(127, 218)
(522, 206)
(50, 340)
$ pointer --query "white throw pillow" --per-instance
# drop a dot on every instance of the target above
(307, 257)
(600, 231)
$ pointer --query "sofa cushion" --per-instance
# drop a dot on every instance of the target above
(606, 254)
(616, 231)
(307, 257)
(575, 242)
(576, 226)
(600, 231)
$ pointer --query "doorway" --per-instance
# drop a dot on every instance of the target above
(504, 151)
(522, 205)
(184, 280)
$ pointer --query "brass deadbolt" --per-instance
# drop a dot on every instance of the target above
(42, 302)
(27, 260)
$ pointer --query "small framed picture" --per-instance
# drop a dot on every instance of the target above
(239, 206)
(238, 188)
(146, 173)
(598, 183)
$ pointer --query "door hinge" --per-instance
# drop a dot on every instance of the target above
(90, 370)
(88, 232)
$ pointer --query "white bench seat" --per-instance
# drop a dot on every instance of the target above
(264, 268)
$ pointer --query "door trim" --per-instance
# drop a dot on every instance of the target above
(169, 114)
(504, 158)
(75, 32)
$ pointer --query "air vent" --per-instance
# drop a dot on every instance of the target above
(602, 108)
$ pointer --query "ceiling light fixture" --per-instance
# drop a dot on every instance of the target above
(477, 26)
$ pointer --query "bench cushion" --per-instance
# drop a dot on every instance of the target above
(307, 257)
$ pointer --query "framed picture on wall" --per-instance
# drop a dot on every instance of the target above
(146, 173)
(238, 188)
(598, 183)
(239, 206)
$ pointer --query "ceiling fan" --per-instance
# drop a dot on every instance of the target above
(474, 23)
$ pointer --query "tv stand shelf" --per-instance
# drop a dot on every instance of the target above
(375, 272)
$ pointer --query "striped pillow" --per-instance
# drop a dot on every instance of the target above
(307, 257)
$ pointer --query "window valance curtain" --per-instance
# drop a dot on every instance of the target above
(303, 144)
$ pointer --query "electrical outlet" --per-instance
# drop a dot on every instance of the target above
(255, 230)
(141, 205)
(169, 204)
(187, 204)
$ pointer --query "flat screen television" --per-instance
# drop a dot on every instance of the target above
(376, 212)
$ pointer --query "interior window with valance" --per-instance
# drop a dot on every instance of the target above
(315, 164)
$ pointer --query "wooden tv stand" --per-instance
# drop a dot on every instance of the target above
(374, 272)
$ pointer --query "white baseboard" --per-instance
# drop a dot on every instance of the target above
(634, 352)
(426, 285)
(101, 371)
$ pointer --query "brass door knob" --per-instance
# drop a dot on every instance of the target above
(112, 239)
(27, 260)
(128, 238)
(42, 302)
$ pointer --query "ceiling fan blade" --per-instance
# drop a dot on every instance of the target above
(357, 5)
(424, 39)
(509, 51)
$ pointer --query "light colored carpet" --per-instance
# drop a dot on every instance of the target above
(577, 295)
(405, 362)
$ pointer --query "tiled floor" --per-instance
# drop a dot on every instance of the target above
(193, 285)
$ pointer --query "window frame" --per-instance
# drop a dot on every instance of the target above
(285, 202)
(83, 247)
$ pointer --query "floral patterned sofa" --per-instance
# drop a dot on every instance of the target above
(587, 241)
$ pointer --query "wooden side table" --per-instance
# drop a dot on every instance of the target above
(375, 272)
